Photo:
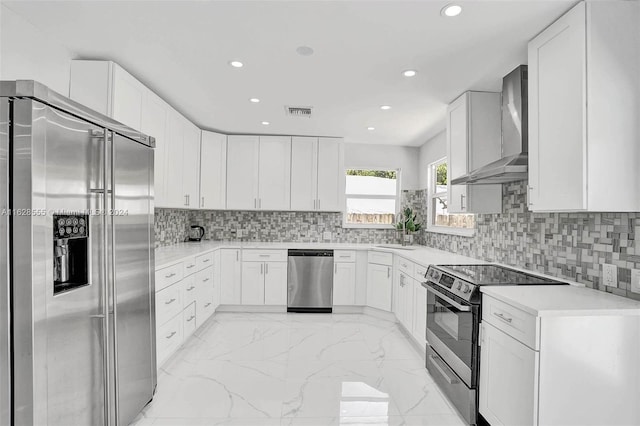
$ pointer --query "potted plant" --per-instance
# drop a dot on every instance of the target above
(408, 224)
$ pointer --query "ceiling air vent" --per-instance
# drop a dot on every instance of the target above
(297, 111)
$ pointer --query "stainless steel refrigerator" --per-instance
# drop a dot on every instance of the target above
(76, 259)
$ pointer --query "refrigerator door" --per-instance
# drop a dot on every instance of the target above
(134, 279)
(59, 340)
(5, 332)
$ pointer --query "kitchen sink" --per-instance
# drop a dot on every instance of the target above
(396, 246)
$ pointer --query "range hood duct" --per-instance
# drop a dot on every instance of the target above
(513, 165)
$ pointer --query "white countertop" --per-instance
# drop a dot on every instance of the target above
(424, 256)
(563, 300)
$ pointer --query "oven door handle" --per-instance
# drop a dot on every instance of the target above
(455, 304)
(436, 361)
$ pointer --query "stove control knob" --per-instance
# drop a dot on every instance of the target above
(467, 288)
(459, 285)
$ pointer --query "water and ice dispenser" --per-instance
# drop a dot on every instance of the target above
(70, 252)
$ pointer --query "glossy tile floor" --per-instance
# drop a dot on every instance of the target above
(297, 369)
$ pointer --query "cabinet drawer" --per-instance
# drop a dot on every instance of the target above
(344, 256)
(381, 258)
(169, 338)
(189, 266)
(405, 266)
(189, 290)
(169, 275)
(189, 320)
(419, 273)
(516, 323)
(264, 255)
(204, 261)
(168, 303)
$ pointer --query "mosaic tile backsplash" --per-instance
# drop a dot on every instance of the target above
(565, 245)
(572, 246)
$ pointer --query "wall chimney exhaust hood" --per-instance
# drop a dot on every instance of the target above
(513, 165)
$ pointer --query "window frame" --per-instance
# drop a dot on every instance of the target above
(345, 224)
(431, 194)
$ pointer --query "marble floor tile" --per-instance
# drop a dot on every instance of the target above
(251, 369)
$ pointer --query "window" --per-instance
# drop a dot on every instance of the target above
(439, 219)
(372, 196)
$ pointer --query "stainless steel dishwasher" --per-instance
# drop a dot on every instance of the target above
(310, 281)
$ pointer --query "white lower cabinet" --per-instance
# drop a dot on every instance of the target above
(168, 338)
(264, 277)
(230, 275)
(344, 278)
(507, 383)
(419, 331)
(379, 281)
(405, 301)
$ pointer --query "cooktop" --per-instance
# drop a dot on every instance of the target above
(494, 275)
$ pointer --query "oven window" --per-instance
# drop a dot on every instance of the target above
(446, 319)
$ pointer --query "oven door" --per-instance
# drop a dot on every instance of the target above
(452, 330)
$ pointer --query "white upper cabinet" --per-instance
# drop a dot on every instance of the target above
(304, 173)
(213, 171)
(317, 174)
(127, 98)
(174, 194)
(583, 110)
(191, 164)
(274, 170)
(473, 140)
(242, 172)
(154, 123)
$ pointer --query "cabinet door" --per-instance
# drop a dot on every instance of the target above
(191, 165)
(154, 123)
(379, 286)
(331, 176)
(213, 170)
(274, 173)
(344, 284)
(127, 98)
(275, 283)
(174, 194)
(204, 295)
(252, 283)
(216, 279)
(230, 275)
(419, 312)
(406, 302)
(304, 173)
(557, 99)
(242, 172)
(507, 379)
(457, 150)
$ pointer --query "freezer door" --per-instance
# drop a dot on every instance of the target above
(133, 250)
(58, 347)
(5, 366)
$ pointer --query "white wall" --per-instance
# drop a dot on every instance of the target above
(28, 54)
(432, 150)
(385, 157)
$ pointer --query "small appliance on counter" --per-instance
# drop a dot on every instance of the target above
(196, 233)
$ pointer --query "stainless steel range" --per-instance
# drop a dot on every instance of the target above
(453, 320)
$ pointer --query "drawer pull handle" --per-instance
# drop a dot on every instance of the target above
(344, 256)
(206, 260)
(503, 318)
(265, 255)
(169, 301)
(207, 305)
(190, 288)
(190, 266)
(173, 274)
(205, 280)
(190, 318)
(173, 333)
(435, 360)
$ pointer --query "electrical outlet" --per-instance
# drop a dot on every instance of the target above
(454, 246)
(326, 235)
(239, 232)
(635, 280)
(610, 275)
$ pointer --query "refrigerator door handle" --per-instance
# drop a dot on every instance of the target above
(105, 287)
(112, 284)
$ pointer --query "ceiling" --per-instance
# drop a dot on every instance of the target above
(181, 50)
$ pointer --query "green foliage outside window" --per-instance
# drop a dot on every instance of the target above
(441, 174)
(387, 174)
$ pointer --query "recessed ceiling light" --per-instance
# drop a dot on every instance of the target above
(409, 73)
(254, 100)
(371, 128)
(236, 64)
(385, 107)
(451, 10)
(304, 51)
(265, 123)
